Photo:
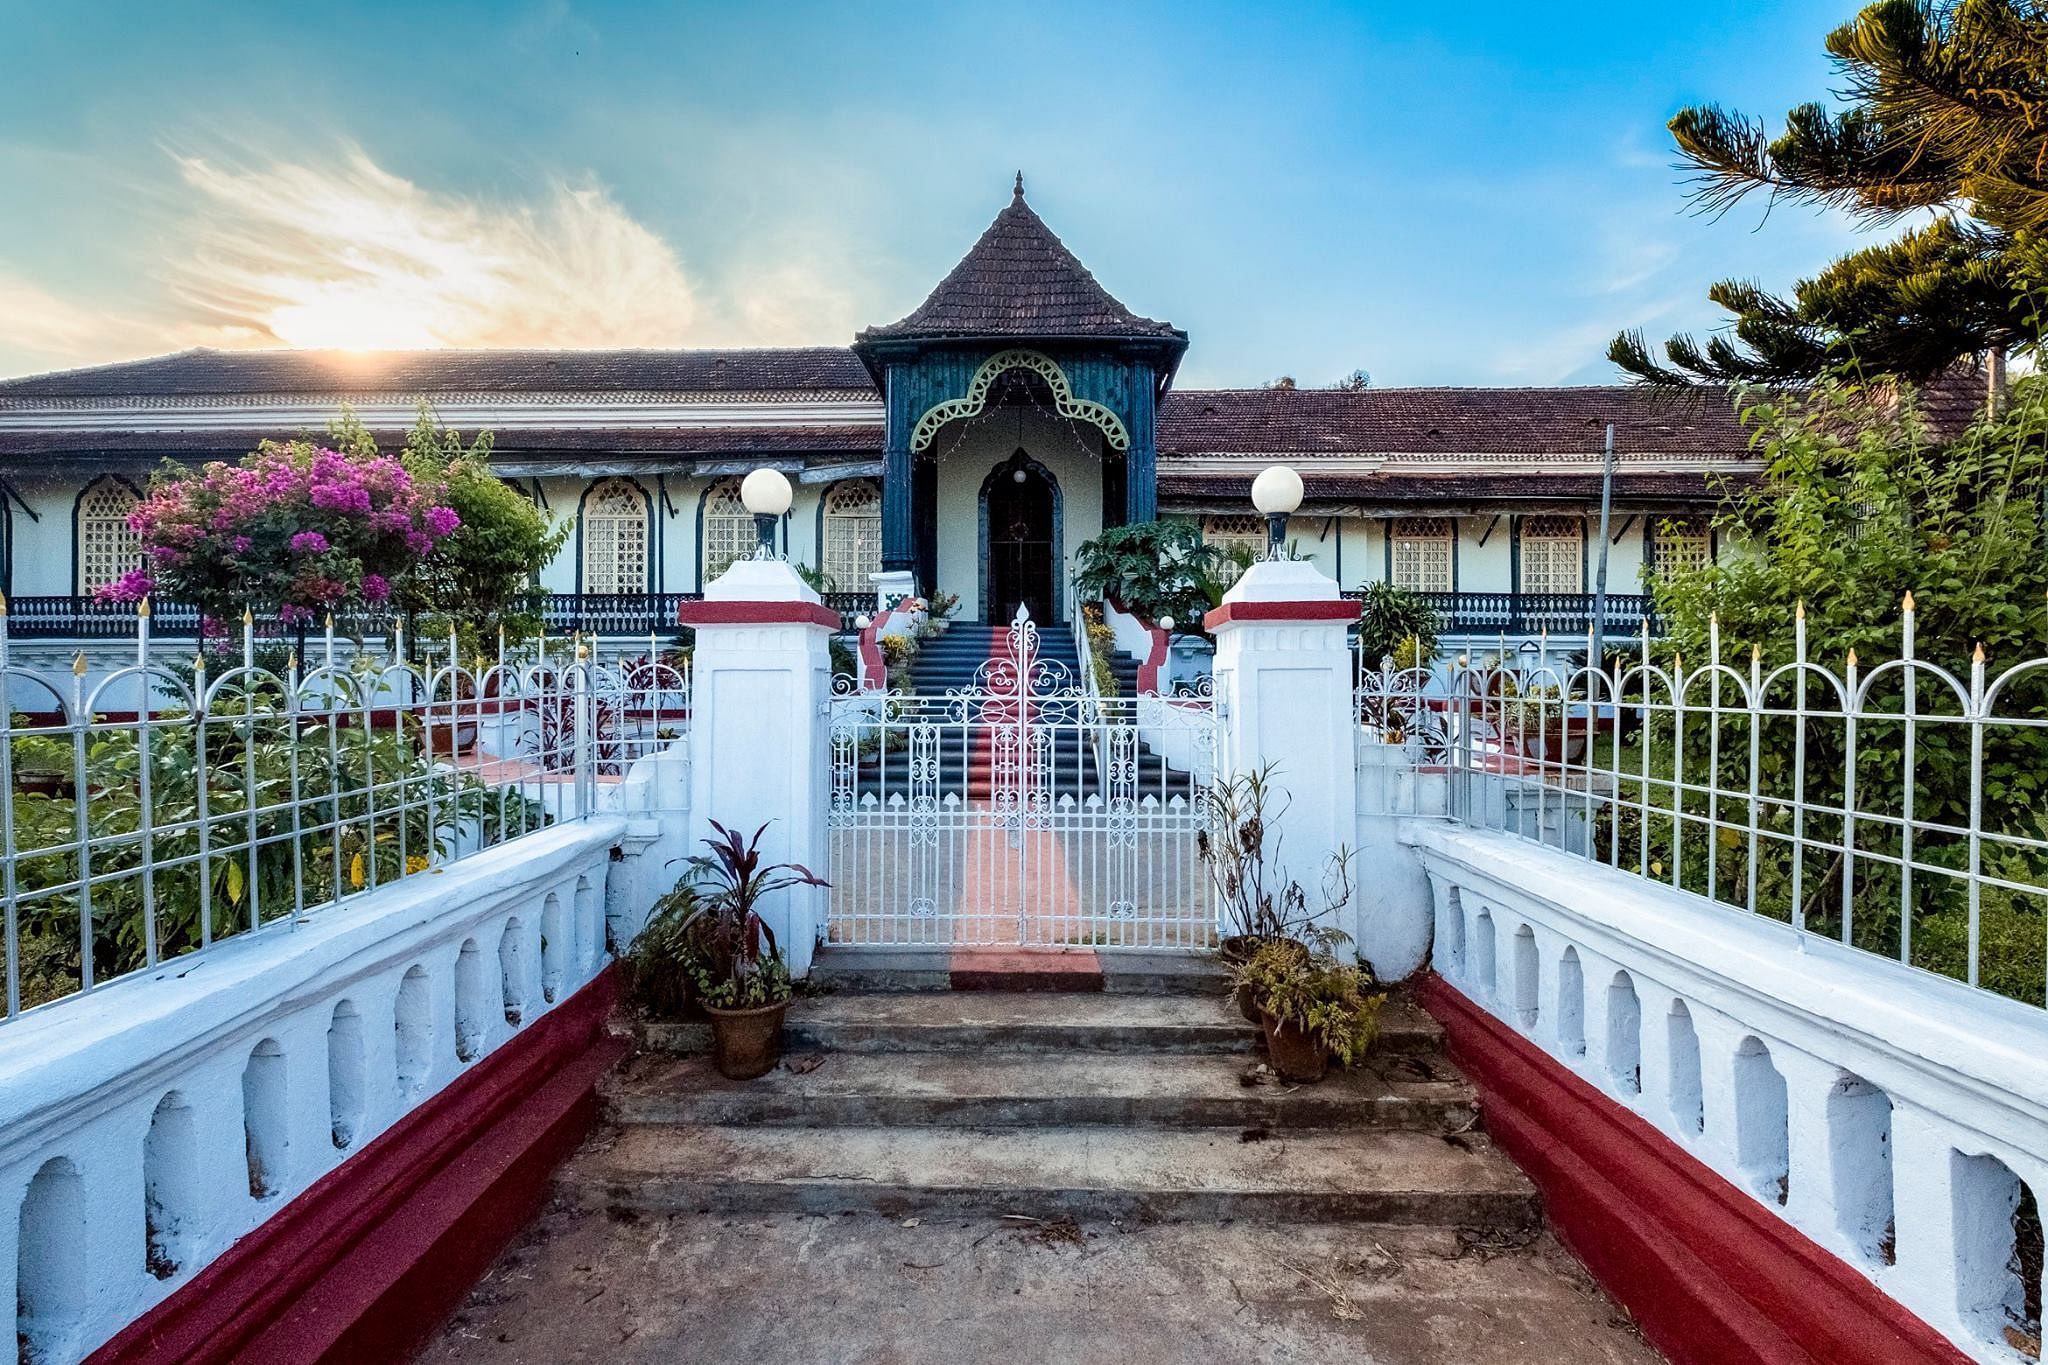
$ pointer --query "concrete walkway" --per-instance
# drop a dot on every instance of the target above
(872, 1290)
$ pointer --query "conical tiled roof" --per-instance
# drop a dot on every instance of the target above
(1019, 280)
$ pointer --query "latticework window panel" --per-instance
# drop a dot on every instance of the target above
(1422, 553)
(1553, 554)
(1678, 544)
(853, 535)
(1244, 534)
(106, 547)
(728, 528)
(614, 539)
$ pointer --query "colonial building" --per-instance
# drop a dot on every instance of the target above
(970, 447)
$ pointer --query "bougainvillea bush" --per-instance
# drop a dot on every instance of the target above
(292, 532)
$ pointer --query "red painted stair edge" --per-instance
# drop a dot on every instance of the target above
(1709, 1274)
(369, 1260)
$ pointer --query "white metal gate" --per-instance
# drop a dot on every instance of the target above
(1022, 810)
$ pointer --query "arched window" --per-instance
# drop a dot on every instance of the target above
(853, 534)
(728, 528)
(106, 547)
(1243, 538)
(1421, 553)
(1553, 554)
(1678, 544)
(614, 538)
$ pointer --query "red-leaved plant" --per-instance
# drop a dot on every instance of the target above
(734, 960)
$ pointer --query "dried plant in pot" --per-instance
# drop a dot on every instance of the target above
(1241, 850)
(710, 927)
(1314, 1007)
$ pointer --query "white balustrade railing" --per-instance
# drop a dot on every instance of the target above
(1898, 1119)
(145, 1128)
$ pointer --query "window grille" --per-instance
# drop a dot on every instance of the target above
(1241, 535)
(853, 535)
(1680, 543)
(106, 547)
(614, 538)
(1422, 553)
(1553, 554)
(728, 528)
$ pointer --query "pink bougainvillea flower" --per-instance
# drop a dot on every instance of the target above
(309, 543)
(376, 588)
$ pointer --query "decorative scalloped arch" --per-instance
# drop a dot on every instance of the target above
(976, 398)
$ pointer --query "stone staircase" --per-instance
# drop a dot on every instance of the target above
(1050, 1105)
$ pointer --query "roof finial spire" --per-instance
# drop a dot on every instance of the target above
(1018, 192)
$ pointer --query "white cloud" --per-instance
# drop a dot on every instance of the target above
(351, 255)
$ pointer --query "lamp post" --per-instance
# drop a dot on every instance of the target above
(1276, 493)
(766, 494)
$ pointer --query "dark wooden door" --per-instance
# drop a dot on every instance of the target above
(1021, 554)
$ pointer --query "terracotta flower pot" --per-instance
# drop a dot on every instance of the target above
(1295, 1053)
(747, 1043)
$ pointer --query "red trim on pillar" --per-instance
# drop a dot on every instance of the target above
(367, 1262)
(1148, 667)
(1321, 610)
(1711, 1276)
(756, 614)
(874, 669)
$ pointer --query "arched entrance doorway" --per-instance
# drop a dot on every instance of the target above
(1020, 539)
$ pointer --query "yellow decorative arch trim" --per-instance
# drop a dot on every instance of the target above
(975, 399)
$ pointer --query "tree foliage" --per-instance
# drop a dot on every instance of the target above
(1860, 505)
(1155, 569)
(1946, 112)
(483, 576)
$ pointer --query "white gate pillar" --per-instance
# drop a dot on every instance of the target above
(759, 730)
(1283, 683)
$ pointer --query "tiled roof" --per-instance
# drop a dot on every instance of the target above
(203, 373)
(1307, 422)
(1019, 280)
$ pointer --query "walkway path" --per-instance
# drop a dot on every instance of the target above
(713, 1290)
(1018, 1176)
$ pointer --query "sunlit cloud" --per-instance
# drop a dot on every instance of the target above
(350, 255)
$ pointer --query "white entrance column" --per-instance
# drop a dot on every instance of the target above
(760, 732)
(1283, 681)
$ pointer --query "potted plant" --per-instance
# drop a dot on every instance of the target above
(1241, 848)
(1313, 1007)
(709, 926)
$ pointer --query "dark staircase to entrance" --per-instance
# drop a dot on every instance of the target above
(950, 663)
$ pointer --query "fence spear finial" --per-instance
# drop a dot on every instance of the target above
(3, 604)
(1907, 605)
(1978, 656)
(1799, 610)
(1852, 657)
(142, 606)
(78, 664)
(248, 616)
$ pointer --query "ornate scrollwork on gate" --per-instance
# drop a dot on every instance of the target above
(975, 399)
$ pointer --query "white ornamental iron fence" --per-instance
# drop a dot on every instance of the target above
(154, 808)
(1901, 807)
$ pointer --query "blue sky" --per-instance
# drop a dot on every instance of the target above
(1478, 196)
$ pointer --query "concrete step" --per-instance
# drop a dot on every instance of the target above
(1134, 972)
(988, 1022)
(1008, 1090)
(1375, 1176)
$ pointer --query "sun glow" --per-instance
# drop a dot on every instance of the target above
(356, 258)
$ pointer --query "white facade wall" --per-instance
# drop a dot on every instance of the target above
(969, 450)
